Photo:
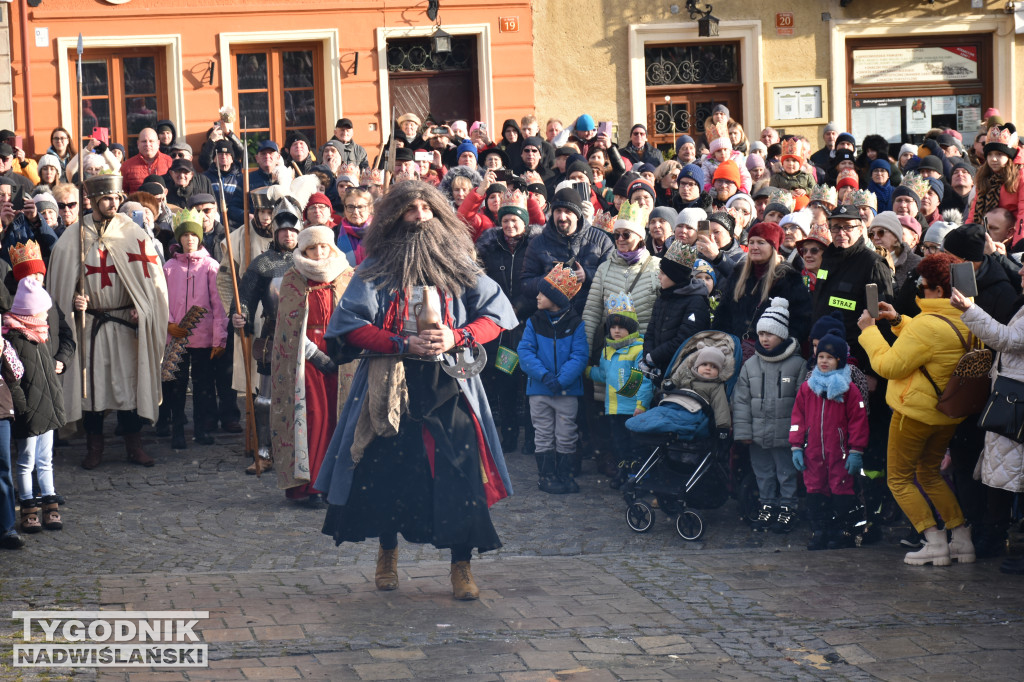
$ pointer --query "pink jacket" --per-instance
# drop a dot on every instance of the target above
(828, 429)
(192, 280)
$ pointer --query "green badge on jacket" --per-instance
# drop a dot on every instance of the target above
(844, 303)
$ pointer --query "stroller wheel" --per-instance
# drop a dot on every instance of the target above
(640, 517)
(690, 526)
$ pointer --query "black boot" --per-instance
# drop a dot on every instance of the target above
(178, 437)
(818, 518)
(202, 438)
(547, 481)
(990, 540)
(565, 466)
(843, 533)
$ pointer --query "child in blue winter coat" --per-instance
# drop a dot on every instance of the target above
(553, 353)
(627, 391)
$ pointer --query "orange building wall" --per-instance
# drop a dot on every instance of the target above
(200, 21)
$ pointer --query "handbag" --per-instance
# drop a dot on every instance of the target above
(1004, 413)
(969, 385)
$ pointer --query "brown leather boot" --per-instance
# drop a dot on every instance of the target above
(51, 513)
(30, 516)
(265, 464)
(94, 450)
(386, 577)
(133, 446)
(463, 586)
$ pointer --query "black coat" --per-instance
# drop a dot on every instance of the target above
(740, 317)
(678, 314)
(39, 397)
(506, 267)
(589, 245)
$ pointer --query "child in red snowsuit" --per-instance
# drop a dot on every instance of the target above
(828, 435)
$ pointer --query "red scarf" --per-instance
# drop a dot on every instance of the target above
(34, 328)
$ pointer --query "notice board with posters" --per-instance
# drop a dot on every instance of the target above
(903, 86)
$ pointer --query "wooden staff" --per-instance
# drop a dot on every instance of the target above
(250, 424)
(81, 231)
(251, 439)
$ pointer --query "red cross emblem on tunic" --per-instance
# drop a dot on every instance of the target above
(103, 270)
(142, 258)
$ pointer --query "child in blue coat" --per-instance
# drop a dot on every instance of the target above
(627, 391)
(553, 353)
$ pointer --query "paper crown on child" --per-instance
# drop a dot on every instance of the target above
(847, 177)
(603, 220)
(349, 170)
(718, 136)
(513, 202)
(862, 197)
(678, 261)
(560, 285)
(620, 312)
(187, 221)
(26, 259)
(782, 197)
(916, 183)
(792, 148)
(371, 176)
(635, 216)
(820, 234)
(1003, 139)
(826, 194)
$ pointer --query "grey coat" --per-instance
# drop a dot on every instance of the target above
(762, 402)
(1001, 464)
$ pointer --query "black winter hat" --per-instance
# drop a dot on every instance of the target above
(966, 242)
(725, 220)
(842, 155)
(616, 320)
(932, 163)
(835, 346)
(569, 199)
(971, 170)
(621, 188)
(904, 191)
(833, 322)
(581, 167)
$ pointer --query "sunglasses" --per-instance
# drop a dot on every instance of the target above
(876, 234)
(622, 235)
(70, 204)
(810, 251)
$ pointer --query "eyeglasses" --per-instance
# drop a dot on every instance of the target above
(70, 204)
(810, 251)
(847, 228)
(623, 235)
(209, 211)
(876, 234)
(688, 183)
(931, 249)
(356, 207)
(59, 138)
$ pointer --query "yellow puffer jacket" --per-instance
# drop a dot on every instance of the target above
(926, 341)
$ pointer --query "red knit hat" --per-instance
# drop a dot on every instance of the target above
(770, 232)
(848, 178)
(728, 170)
(318, 198)
(27, 259)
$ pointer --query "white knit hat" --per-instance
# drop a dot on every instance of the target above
(801, 219)
(691, 216)
(907, 148)
(775, 319)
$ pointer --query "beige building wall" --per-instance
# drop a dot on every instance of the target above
(582, 49)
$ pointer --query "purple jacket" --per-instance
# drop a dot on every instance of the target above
(192, 280)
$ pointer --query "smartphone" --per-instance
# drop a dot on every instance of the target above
(704, 227)
(583, 189)
(424, 156)
(871, 292)
(139, 218)
(19, 142)
(501, 175)
(605, 128)
(101, 134)
(961, 276)
(439, 130)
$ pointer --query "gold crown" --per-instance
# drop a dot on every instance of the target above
(825, 194)
(371, 176)
(513, 198)
(620, 304)
(22, 253)
(847, 173)
(349, 169)
(603, 220)
(916, 184)
(716, 130)
(782, 196)
(821, 234)
(861, 197)
(681, 253)
(187, 215)
(564, 280)
(634, 213)
(1002, 135)
(792, 147)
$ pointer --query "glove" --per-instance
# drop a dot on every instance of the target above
(798, 459)
(100, 147)
(550, 382)
(176, 331)
(723, 434)
(646, 365)
(854, 463)
(216, 352)
(323, 362)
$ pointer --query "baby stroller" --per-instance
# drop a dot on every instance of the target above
(687, 468)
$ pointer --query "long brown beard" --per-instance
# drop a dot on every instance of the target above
(427, 253)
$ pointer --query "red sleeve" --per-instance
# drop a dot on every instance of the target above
(536, 215)
(372, 338)
(469, 211)
(484, 329)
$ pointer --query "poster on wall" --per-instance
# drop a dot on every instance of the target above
(919, 115)
(915, 64)
(879, 116)
(968, 112)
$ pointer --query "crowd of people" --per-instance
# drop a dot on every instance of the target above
(377, 311)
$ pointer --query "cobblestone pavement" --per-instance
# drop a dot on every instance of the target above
(573, 595)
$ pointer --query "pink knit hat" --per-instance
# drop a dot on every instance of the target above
(31, 298)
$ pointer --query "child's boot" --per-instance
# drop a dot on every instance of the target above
(763, 521)
(817, 518)
(934, 552)
(961, 549)
(547, 481)
(565, 468)
(841, 534)
(30, 516)
(51, 513)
